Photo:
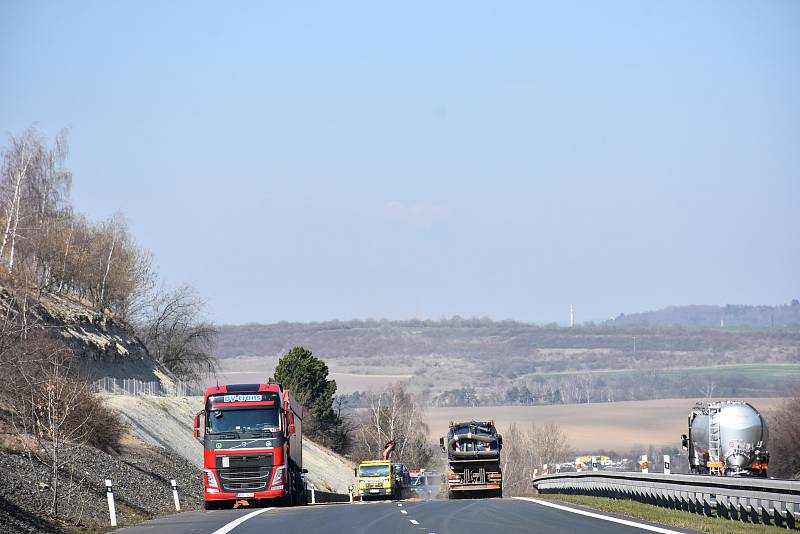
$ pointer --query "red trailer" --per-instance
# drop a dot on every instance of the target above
(252, 438)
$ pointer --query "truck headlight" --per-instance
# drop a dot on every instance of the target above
(277, 478)
(211, 480)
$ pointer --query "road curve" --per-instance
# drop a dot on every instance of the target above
(480, 516)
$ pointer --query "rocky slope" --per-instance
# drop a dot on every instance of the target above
(140, 475)
(106, 345)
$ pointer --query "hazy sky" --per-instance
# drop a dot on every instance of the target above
(337, 160)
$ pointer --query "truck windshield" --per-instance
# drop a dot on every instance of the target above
(247, 420)
(374, 470)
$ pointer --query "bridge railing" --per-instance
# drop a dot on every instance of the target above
(752, 500)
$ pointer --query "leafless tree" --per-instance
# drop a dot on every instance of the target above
(176, 336)
(393, 414)
(784, 428)
(526, 449)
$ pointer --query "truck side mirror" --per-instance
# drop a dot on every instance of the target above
(499, 442)
(197, 426)
(355, 472)
(441, 444)
(685, 442)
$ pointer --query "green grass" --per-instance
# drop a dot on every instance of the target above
(664, 516)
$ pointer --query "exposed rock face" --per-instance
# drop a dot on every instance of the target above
(105, 345)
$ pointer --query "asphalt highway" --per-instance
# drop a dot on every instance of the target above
(481, 516)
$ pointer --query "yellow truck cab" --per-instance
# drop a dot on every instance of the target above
(382, 479)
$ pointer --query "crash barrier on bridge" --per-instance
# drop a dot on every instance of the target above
(751, 500)
(326, 496)
(131, 386)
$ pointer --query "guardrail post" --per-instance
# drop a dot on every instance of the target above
(112, 512)
(175, 495)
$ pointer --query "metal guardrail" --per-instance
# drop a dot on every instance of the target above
(751, 500)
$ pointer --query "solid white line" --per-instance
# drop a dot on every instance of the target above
(626, 522)
(233, 524)
(414, 522)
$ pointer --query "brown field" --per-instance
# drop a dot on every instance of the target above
(619, 426)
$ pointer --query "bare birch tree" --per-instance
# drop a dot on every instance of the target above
(395, 415)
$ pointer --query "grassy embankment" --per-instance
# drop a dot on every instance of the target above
(664, 516)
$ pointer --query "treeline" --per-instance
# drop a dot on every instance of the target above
(730, 315)
(645, 384)
(48, 247)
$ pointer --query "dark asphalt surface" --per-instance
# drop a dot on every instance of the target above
(484, 516)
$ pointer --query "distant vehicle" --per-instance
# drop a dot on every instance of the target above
(382, 479)
(727, 438)
(252, 438)
(425, 484)
(473, 456)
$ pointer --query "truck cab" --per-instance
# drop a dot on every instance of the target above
(252, 445)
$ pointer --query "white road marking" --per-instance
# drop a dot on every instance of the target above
(414, 522)
(399, 504)
(626, 522)
(403, 512)
(233, 524)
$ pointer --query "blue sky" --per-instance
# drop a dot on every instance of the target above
(340, 160)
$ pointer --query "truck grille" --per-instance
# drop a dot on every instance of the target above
(245, 472)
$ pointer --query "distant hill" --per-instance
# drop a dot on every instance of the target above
(479, 361)
(703, 316)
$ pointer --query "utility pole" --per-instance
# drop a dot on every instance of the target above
(634, 344)
(571, 316)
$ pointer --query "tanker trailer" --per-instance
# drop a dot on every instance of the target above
(727, 438)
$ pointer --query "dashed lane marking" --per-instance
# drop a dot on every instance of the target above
(235, 523)
(626, 522)
(414, 521)
(403, 512)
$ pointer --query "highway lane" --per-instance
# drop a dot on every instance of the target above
(493, 516)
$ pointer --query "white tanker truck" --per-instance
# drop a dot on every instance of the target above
(727, 438)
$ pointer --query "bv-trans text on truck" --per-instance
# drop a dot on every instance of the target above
(252, 438)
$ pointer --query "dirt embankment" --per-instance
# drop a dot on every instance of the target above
(167, 422)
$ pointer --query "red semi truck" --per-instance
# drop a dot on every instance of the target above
(252, 438)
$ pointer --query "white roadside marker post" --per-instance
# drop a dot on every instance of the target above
(112, 512)
(667, 470)
(313, 494)
(645, 465)
(594, 463)
(175, 495)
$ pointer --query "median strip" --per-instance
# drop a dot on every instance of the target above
(235, 523)
(625, 522)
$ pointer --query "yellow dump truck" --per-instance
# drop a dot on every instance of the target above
(377, 479)
(382, 479)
